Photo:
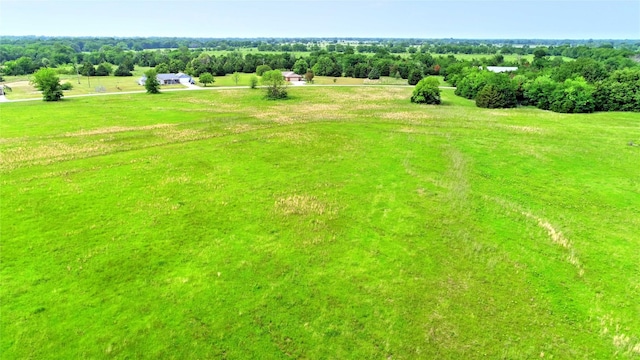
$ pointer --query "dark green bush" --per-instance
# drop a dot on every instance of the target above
(494, 96)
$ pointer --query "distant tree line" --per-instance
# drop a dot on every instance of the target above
(602, 77)
(588, 84)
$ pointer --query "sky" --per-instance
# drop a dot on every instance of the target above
(471, 19)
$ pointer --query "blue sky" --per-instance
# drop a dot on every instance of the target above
(560, 19)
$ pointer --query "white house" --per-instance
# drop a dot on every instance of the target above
(169, 79)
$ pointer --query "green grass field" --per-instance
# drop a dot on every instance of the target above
(343, 223)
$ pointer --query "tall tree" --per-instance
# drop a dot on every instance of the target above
(152, 84)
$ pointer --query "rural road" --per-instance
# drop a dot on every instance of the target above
(193, 88)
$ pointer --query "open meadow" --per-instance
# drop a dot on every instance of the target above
(342, 223)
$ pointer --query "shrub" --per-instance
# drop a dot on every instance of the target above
(253, 81)
(66, 86)
(426, 92)
(309, 76)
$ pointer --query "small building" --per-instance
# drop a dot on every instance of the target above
(170, 79)
(501, 69)
(291, 76)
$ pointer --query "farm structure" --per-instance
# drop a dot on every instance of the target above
(169, 79)
(291, 76)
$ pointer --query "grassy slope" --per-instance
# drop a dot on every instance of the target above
(343, 223)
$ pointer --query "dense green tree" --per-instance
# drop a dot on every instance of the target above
(472, 81)
(492, 96)
(519, 82)
(47, 81)
(539, 53)
(206, 78)
(426, 92)
(300, 67)
(162, 68)
(87, 69)
(620, 92)
(122, 71)
(539, 92)
(415, 75)
(151, 84)
(103, 69)
(22, 66)
(275, 85)
(260, 70)
(325, 66)
(590, 69)
(573, 96)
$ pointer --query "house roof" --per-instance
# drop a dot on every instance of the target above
(177, 76)
(290, 74)
(168, 77)
(499, 69)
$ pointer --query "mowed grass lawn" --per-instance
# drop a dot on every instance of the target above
(343, 223)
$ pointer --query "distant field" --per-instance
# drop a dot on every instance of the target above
(22, 89)
(509, 58)
(254, 51)
(343, 223)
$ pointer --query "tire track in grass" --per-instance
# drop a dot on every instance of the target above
(625, 344)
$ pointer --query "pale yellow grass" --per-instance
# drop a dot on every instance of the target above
(301, 205)
(518, 128)
(294, 137)
(116, 129)
(361, 95)
(49, 153)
